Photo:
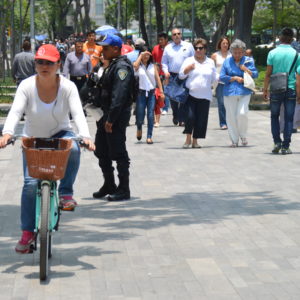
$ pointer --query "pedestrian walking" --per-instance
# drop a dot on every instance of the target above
(219, 58)
(200, 72)
(138, 47)
(91, 48)
(116, 98)
(148, 76)
(77, 65)
(157, 54)
(174, 55)
(23, 64)
(236, 96)
(282, 59)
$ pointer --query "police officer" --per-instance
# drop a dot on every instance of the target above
(116, 88)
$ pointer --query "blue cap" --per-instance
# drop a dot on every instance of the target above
(111, 40)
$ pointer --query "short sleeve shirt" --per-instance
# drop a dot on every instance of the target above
(281, 59)
(93, 51)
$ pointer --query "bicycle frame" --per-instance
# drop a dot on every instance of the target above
(54, 206)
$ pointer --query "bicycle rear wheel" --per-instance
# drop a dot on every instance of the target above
(44, 231)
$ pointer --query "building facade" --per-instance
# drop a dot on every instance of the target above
(97, 12)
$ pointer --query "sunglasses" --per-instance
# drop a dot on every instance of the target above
(45, 62)
(178, 33)
(199, 48)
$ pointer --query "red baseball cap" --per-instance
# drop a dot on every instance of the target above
(47, 52)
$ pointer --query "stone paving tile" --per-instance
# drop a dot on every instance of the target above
(210, 223)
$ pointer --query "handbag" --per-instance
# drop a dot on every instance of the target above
(249, 82)
(156, 91)
(279, 81)
(177, 91)
(158, 100)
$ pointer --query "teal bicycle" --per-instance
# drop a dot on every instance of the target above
(47, 159)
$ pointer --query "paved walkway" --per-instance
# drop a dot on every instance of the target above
(210, 223)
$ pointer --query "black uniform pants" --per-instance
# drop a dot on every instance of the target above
(112, 146)
(79, 81)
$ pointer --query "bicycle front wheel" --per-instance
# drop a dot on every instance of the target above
(44, 231)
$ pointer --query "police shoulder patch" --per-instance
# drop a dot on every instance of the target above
(122, 73)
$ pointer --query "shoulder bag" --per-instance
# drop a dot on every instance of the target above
(279, 81)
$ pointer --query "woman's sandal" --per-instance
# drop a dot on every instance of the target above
(149, 141)
(67, 204)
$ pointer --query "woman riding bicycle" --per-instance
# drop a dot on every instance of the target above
(47, 99)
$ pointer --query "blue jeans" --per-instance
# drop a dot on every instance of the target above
(167, 104)
(142, 102)
(28, 198)
(221, 107)
(288, 99)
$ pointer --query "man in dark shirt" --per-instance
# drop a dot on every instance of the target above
(116, 98)
(23, 64)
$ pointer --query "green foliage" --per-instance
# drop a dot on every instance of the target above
(288, 14)
(259, 81)
(260, 55)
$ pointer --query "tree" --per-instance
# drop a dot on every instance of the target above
(243, 19)
(159, 18)
(287, 15)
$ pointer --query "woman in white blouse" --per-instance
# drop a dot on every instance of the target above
(201, 73)
(47, 99)
(148, 80)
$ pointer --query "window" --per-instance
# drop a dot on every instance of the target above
(99, 7)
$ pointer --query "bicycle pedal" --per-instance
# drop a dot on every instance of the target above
(68, 208)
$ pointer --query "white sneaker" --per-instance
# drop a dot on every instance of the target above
(164, 112)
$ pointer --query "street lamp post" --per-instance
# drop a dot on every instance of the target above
(21, 25)
(166, 16)
(150, 23)
(125, 19)
(32, 39)
(193, 19)
(119, 15)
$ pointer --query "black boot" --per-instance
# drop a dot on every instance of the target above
(122, 192)
(109, 186)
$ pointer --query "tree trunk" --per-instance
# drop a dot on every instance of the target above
(87, 20)
(159, 18)
(224, 23)
(142, 17)
(64, 7)
(76, 16)
(243, 20)
(199, 30)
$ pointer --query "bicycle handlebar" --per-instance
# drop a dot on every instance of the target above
(12, 141)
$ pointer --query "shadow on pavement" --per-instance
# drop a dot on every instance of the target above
(102, 221)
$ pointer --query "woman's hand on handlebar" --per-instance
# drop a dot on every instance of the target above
(89, 144)
(4, 140)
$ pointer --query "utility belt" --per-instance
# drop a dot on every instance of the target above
(78, 77)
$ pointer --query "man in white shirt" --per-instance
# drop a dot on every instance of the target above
(174, 55)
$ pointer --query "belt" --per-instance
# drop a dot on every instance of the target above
(173, 74)
(78, 77)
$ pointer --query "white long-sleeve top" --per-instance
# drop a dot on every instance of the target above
(42, 119)
(147, 80)
(199, 80)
